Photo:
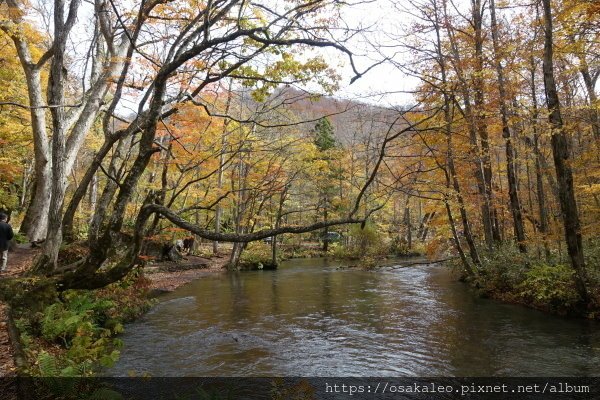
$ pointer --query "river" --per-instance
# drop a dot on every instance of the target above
(309, 318)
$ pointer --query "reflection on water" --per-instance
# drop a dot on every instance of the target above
(309, 319)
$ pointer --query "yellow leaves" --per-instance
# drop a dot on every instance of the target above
(259, 15)
(283, 66)
(15, 131)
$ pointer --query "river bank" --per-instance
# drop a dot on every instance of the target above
(542, 283)
(168, 276)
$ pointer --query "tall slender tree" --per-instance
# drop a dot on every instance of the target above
(562, 157)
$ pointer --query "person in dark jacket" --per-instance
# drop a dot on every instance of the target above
(6, 234)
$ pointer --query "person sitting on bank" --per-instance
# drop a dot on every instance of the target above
(6, 234)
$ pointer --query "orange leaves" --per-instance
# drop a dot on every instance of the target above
(9, 170)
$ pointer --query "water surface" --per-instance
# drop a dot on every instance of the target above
(310, 319)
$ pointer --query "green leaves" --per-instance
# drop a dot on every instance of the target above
(323, 135)
(75, 336)
(550, 285)
(280, 67)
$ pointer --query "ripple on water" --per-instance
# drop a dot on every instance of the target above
(316, 321)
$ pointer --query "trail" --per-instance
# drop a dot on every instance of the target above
(168, 276)
(19, 261)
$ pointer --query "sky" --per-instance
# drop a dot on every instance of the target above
(383, 85)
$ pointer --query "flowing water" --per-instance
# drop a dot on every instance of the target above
(310, 319)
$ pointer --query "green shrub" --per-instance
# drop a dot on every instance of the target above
(550, 285)
(365, 242)
(129, 298)
(79, 314)
(73, 388)
(502, 270)
(20, 238)
(256, 255)
(77, 326)
(399, 246)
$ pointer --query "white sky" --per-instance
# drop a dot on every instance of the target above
(383, 85)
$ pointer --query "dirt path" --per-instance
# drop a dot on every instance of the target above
(168, 276)
(19, 261)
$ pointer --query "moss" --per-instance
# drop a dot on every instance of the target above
(31, 294)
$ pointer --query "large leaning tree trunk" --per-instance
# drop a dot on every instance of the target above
(561, 154)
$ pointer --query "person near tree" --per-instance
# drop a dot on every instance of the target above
(6, 234)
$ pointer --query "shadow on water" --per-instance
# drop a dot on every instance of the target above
(309, 319)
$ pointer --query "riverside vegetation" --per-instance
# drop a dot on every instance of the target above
(76, 334)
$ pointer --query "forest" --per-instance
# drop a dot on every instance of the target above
(144, 134)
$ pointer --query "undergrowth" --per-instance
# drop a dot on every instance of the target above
(76, 336)
(545, 283)
(257, 255)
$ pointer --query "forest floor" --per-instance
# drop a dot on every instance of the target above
(19, 261)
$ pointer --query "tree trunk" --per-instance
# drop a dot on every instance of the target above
(489, 219)
(164, 181)
(590, 85)
(219, 210)
(56, 96)
(451, 177)
(426, 220)
(540, 192)
(450, 169)
(562, 163)
(93, 196)
(107, 194)
(282, 199)
(456, 239)
(236, 254)
(515, 203)
(35, 222)
(71, 209)
(407, 223)
(325, 230)
(473, 127)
